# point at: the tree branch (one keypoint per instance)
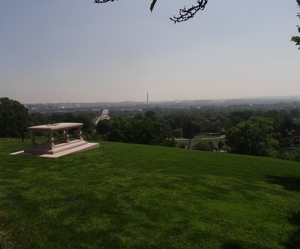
(186, 14)
(103, 1)
(296, 39)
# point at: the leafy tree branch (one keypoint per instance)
(184, 14)
(296, 39)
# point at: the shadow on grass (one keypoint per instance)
(294, 239)
(288, 182)
(245, 245)
(291, 183)
(232, 245)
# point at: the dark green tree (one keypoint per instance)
(196, 128)
(235, 117)
(177, 133)
(14, 118)
(145, 131)
(117, 128)
(295, 113)
(252, 137)
(102, 127)
(286, 125)
(88, 125)
(220, 145)
(39, 118)
(137, 130)
(151, 115)
(187, 129)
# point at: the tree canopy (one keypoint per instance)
(187, 129)
(252, 137)
(14, 118)
(139, 130)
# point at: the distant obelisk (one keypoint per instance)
(147, 99)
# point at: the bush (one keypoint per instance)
(211, 145)
(92, 136)
(202, 146)
(292, 153)
(169, 142)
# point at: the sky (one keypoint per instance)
(78, 51)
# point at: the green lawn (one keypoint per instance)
(137, 196)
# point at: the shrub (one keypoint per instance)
(202, 146)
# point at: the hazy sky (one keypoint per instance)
(79, 51)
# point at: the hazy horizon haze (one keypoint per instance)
(78, 51)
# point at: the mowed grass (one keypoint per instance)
(138, 196)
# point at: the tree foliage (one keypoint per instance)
(266, 130)
(14, 118)
(140, 130)
(252, 137)
(296, 39)
(187, 128)
(41, 119)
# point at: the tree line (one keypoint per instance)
(273, 132)
(15, 118)
(141, 129)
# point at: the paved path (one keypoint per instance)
(103, 116)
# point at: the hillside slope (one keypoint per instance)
(138, 196)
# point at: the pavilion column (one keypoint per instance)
(65, 136)
(50, 138)
(79, 136)
(32, 138)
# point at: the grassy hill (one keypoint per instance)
(137, 196)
